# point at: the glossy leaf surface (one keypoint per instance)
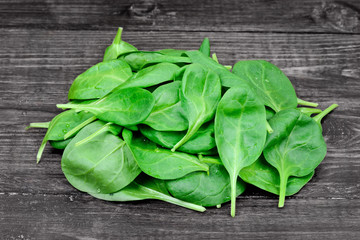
(200, 94)
(99, 80)
(161, 163)
(270, 84)
(240, 132)
(103, 164)
(167, 114)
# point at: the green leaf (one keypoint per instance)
(270, 84)
(227, 78)
(161, 163)
(205, 189)
(202, 142)
(141, 59)
(103, 164)
(167, 114)
(151, 76)
(99, 80)
(60, 125)
(60, 144)
(240, 132)
(118, 47)
(145, 187)
(264, 176)
(123, 107)
(205, 47)
(200, 94)
(295, 148)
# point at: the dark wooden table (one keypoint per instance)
(44, 45)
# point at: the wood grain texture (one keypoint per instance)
(46, 44)
(189, 15)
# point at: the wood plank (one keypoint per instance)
(323, 68)
(83, 217)
(187, 15)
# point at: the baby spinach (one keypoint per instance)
(118, 47)
(205, 47)
(228, 79)
(167, 114)
(151, 76)
(271, 85)
(104, 164)
(173, 52)
(205, 189)
(60, 125)
(99, 80)
(60, 144)
(200, 94)
(240, 132)
(262, 175)
(161, 163)
(145, 187)
(295, 148)
(249, 123)
(124, 107)
(202, 142)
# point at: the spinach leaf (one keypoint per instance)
(200, 94)
(240, 132)
(145, 187)
(167, 114)
(227, 78)
(151, 76)
(205, 47)
(295, 148)
(60, 125)
(103, 164)
(201, 142)
(60, 144)
(124, 107)
(99, 80)
(161, 163)
(264, 176)
(271, 85)
(205, 189)
(139, 60)
(269, 113)
(173, 52)
(118, 47)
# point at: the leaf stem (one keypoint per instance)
(78, 127)
(96, 133)
(321, 115)
(38, 125)
(268, 127)
(187, 136)
(179, 202)
(283, 184)
(233, 180)
(306, 103)
(309, 111)
(42, 147)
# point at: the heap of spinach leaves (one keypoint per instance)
(177, 126)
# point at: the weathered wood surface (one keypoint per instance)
(46, 44)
